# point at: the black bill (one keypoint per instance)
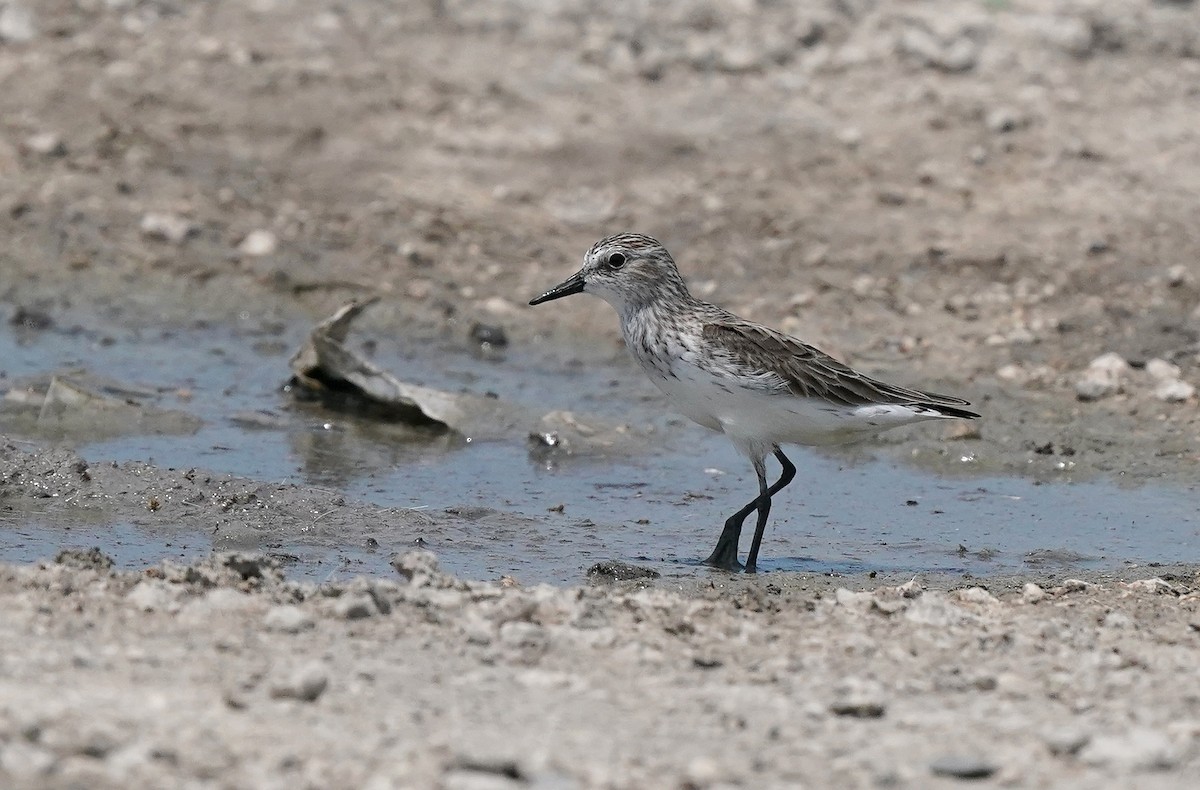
(572, 285)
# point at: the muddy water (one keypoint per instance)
(491, 508)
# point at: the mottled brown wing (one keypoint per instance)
(811, 373)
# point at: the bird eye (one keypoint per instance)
(616, 260)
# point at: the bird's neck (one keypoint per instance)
(669, 297)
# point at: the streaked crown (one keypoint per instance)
(630, 269)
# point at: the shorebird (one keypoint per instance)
(759, 387)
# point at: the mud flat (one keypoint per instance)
(994, 199)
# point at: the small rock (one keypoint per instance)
(1117, 620)
(170, 228)
(489, 335)
(617, 571)
(16, 23)
(498, 305)
(1178, 275)
(962, 767)
(1066, 742)
(956, 55)
(1162, 370)
(415, 255)
(1012, 372)
(31, 318)
(1072, 586)
(151, 596)
(484, 772)
(1002, 119)
(477, 780)
(354, 607)
(1155, 585)
(221, 601)
(853, 600)
(976, 595)
(1174, 391)
(1138, 749)
(524, 635)
(45, 144)
(1094, 385)
(23, 762)
(702, 772)
(850, 136)
(859, 698)
(93, 559)
(1032, 594)
(258, 243)
(419, 566)
(1073, 34)
(305, 684)
(288, 619)
(1102, 378)
(889, 606)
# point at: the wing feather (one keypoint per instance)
(811, 373)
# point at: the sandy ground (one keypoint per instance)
(223, 675)
(981, 198)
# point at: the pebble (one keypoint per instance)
(1177, 275)
(1117, 620)
(151, 596)
(1174, 391)
(529, 639)
(1066, 742)
(1073, 586)
(962, 767)
(419, 567)
(936, 611)
(1162, 370)
(498, 305)
(1032, 594)
(1073, 35)
(16, 23)
(1155, 585)
(702, 772)
(170, 228)
(1002, 119)
(957, 55)
(305, 684)
(1137, 749)
(220, 601)
(354, 607)
(489, 335)
(976, 595)
(617, 571)
(288, 619)
(851, 599)
(850, 136)
(21, 761)
(45, 144)
(258, 243)
(1102, 378)
(860, 699)
(478, 780)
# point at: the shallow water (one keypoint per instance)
(662, 508)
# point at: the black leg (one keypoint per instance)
(789, 472)
(724, 556)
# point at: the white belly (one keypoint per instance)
(721, 405)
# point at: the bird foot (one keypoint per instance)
(724, 558)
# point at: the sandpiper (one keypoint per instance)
(759, 387)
